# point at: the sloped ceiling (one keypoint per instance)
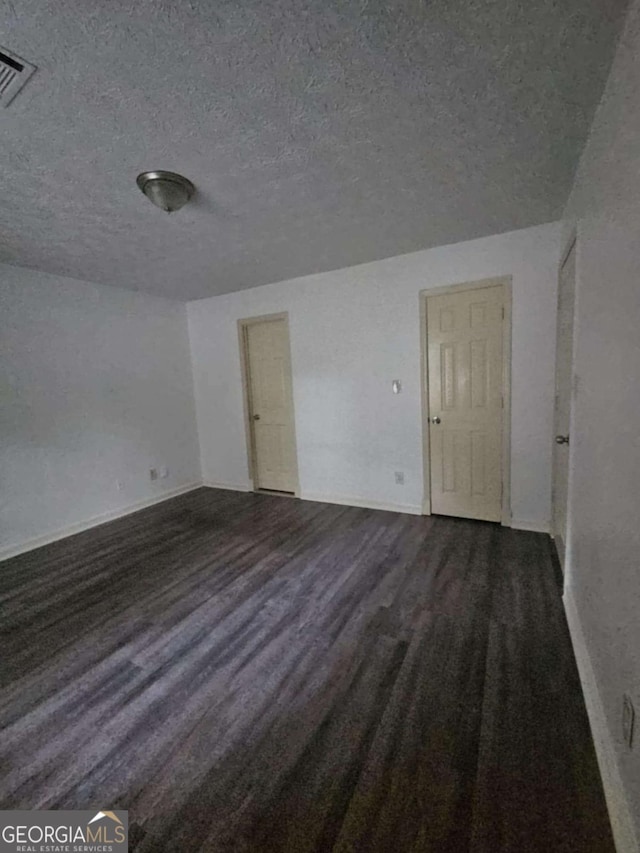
(319, 134)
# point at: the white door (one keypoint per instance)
(271, 405)
(465, 351)
(564, 372)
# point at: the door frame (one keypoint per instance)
(499, 281)
(243, 325)
(570, 245)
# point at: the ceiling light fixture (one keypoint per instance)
(166, 190)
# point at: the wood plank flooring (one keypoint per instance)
(252, 673)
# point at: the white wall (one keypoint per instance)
(352, 332)
(603, 571)
(96, 387)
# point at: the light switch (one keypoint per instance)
(396, 385)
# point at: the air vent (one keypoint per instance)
(14, 73)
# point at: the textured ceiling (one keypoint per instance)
(319, 134)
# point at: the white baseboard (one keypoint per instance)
(232, 487)
(620, 814)
(533, 526)
(345, 500)
(94, 521)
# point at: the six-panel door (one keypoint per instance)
(465, 364)
(271, 405)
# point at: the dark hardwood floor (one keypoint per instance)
(253, 673)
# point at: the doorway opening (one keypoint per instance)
(563, 398)
(268, 402)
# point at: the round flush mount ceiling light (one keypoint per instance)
(166, 190)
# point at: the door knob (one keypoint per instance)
(435, 420)
(256, 417)
(562, 439)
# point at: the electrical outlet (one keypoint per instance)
(399, 475)
(164, 472)
(628, 720)
(153, 473)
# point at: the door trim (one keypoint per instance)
(569, 244)
(505, 283)
(243, 325)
